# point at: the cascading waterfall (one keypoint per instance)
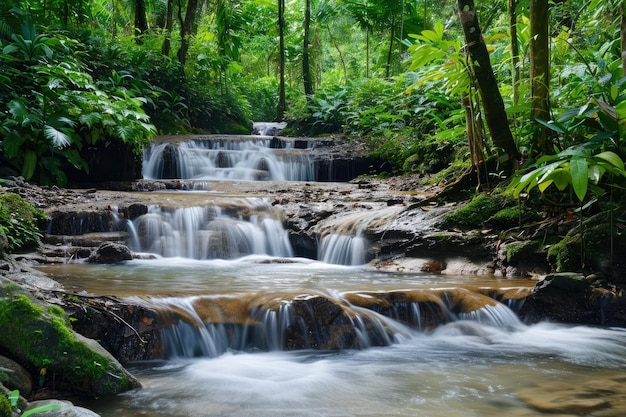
(343, 249)
(245, 160)
(211, 325)
(207, 233)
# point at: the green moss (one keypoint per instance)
(513, 216)
(20, 222)
(477, 211)
(5, 406)
(47, 342)
(565, 255)
(517, 250)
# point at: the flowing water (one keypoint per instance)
(473, 366)
(480, 360)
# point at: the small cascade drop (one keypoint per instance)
(248, 159)
(343, 250)
(208, 233)
(213, 325)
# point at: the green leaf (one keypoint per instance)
(58, 138)
(14, 397)
(41, 409)
(561, 178)
(579, 171)
(612, 158)
(30, 163)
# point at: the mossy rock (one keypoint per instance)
(5, 406)
(478, 211)
(40, 335)
(513, 216)
(516, 251)
(565, 255)
(597, 241)
(20, 222)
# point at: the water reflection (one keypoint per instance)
(183, 276)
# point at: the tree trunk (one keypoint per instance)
(623, 35)
(515, 73)
(493, 105)
(389, 53)
(474, 134)
(307, 78)
(282, 102)
(540, 73)
(169, 23)
(339, 51)
(141, 24)
(186, 29)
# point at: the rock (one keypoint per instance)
(19, 378)
(38, 334)
(67, 409)
(601, 397)
(566, 281)
(570, 298)
(110, 252)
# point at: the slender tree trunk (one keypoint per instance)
(367, 53)
(282, 101)
(393, 26)
(169, 23)
(186, 30)
(493, 105)
(474, 136)
(540, 72)
(339, 51)
(307, 77)
(623, 35)
(114, 19)
(515, 73)
(141, 24)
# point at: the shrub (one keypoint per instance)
(20, 222)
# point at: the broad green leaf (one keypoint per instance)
(553, 125)
(41, 409)
(58, 138)
(14, 397)
(544, 185)
(612, 158)
(30, 163)
(595, 173)
(561, 178)
(579, 169)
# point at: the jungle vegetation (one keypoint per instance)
(498, 87)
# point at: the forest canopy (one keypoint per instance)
(424, 84)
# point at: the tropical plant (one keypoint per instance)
(14, 397)
(55, 109)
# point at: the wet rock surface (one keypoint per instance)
(574, 298)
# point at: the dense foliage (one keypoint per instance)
(399, 77)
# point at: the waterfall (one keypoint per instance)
(343, 250)
(212, 325)
(251, 159)
(207, 233)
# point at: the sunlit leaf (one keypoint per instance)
(612, 158)
(579, 169)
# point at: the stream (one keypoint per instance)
(479, 362)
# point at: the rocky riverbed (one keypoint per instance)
(401, 219)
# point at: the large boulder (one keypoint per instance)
(110, 252)
(573, 298)
(17, 377)
(39, 335)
